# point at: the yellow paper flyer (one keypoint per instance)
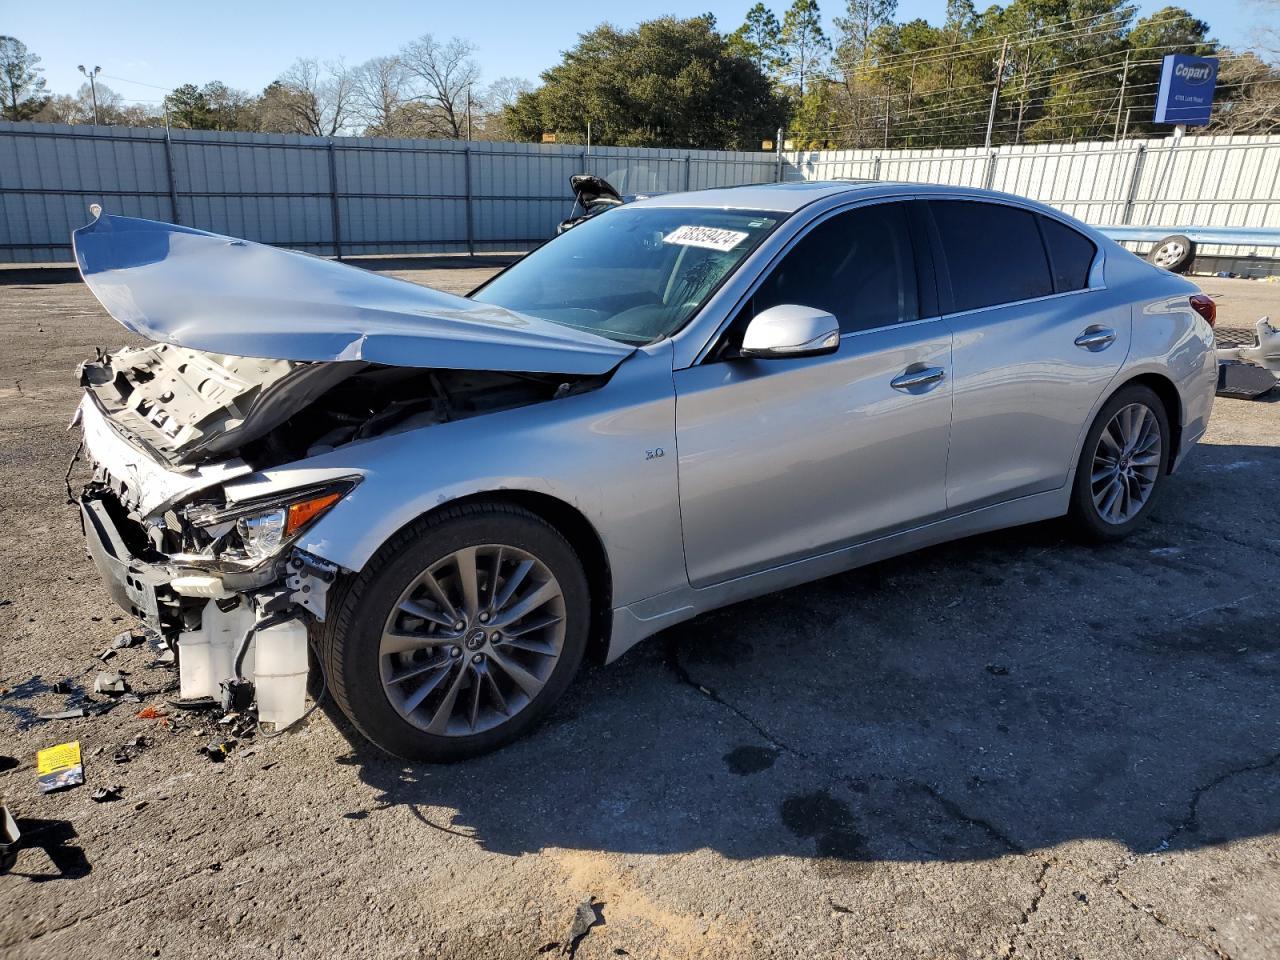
(59, 767)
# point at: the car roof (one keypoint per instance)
(790, 197)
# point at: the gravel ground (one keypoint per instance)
(1006, 745)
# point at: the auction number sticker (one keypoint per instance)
(713, 238)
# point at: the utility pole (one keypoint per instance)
(911, 86)
(886, 116)
(588, 138)
(93, 88)
(995, 91)
(1124, 82)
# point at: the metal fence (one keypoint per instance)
(344, 196)
(1206, 181)
(358, 195)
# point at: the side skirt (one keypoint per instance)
(635, 622)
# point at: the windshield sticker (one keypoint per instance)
(712, 238)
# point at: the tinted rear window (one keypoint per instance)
(994, 253)
(1072, 253)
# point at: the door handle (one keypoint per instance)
(1096, 338)
(914, 379)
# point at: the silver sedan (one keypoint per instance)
(691, 400)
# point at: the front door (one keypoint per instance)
(784, 459)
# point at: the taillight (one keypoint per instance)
(1205, 307)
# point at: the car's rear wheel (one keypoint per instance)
(460, 634)
(1123, 465)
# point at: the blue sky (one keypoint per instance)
(248, 44)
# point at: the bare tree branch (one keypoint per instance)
(444, 75)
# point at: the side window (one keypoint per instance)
(1072, 254)
(858, 266)
(994, 253)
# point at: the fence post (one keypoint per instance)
(173, 186)
(333, 203)
(471, 228)
(1131, 194)
(991, 171)
(687, 165)
(875, 168)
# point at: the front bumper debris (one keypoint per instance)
(238, 637)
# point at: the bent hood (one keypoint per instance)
(227, 296)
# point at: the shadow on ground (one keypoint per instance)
(1002, 693)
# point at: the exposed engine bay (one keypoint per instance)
(189, 406)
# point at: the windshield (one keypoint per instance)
(634, 274)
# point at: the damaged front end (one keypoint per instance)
(220, 582)
(263, 357)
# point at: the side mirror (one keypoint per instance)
(789, 330)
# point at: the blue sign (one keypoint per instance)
(1186, 89)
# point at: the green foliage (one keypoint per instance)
(805, 46)
(23, 87)
(667, 83)
(759, 40)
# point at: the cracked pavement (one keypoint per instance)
(1007, 746)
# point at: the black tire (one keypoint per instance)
(1173, 253)
(360, 604)
(1084, 516)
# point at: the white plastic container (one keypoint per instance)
(280, 672)
(207, 656)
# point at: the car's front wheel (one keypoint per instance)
(459, 634)
(1123, 465)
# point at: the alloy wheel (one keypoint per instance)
(472, 640)
(1169, 254)
(1126, 464)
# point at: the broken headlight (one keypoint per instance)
(263, 534)
(259, 529)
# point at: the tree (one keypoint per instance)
(23, 86)
(668, 82)
(310, 98)
(862, 19)
(805, 46)
(188, 107)
(759, 39)
(445, 75)
(492, 106)
(380, 89)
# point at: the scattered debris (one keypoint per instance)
(217, 750)
(106, 794)
(128, 751)
(7, 763)
(106, 654)
(130, 638)
(997, 670)
(152, 713)
(71, 714)
(110, 683)
(10, 838)
(59, 767)
(584, 918)
(62, 686)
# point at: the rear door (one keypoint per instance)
(784, 459)
(1035, 346)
